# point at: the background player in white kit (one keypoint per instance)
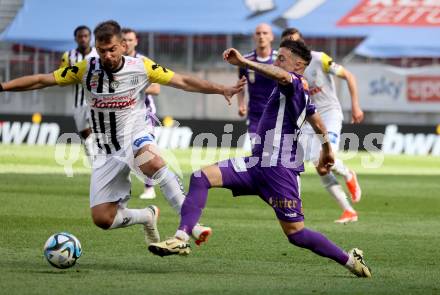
(115, 88)
(320, 76)
(81, 111)
(131, 40)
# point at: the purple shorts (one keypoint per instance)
(278, 186)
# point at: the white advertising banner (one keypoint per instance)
(392, 89)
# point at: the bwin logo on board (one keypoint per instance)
(29, 133)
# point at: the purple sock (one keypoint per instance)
(194, 202)
(319, 244)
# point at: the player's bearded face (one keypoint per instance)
(111, 52)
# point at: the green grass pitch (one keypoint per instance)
(398, 229)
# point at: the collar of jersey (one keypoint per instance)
(77, 50)
(263, 59)
(115, 71)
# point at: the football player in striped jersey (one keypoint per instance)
(81, 111)
(115, 85)
(131, 40)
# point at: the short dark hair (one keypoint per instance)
(80, 28)
(128, 30)
(105, 31)
(291, 31)
(298, 48)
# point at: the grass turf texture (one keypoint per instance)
(398, 230)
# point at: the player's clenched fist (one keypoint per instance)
(234, 57)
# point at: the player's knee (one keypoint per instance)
(321, 172)
(329, 179)
(155, 165)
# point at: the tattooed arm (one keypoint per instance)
(234, 57)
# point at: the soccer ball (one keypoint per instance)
(62, 250)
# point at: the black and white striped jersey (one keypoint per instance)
(116, 99)
(70, 58)
(149, 99)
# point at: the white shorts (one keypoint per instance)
(81, 115)
(110, 181)
(310, 141)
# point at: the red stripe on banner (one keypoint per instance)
(414, 13)
(423, 88)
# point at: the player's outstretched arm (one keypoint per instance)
(29, 83)
(327, 159)
(194, 84)
(234, 57)
(357, 115)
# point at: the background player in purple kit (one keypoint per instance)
(272, 172)
(259, 86)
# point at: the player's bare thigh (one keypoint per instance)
(149, 160)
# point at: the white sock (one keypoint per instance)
(171, 187)
(181, 235)
(126, 217)
(335, 189)
(341, 169)
(350, 262)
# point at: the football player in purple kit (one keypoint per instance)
(320, 75)
(259, 86)
(273, 170)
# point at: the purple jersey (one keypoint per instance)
(259, 88)
(272, 172)
(280, 124)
